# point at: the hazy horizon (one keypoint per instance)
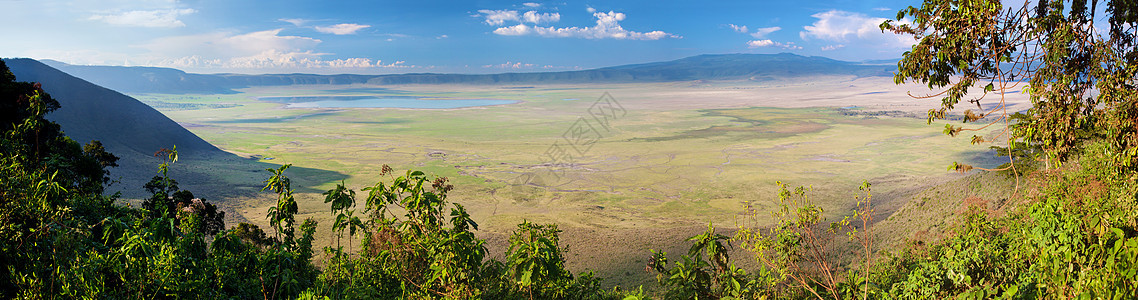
(867, 62)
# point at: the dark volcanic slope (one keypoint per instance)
(703, 67)
(133, 131)
(90, 112)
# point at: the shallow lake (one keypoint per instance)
(384, 102)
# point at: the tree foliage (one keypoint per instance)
(1075, 239)
(62, 238)
(416, 244)
(706, 271)
(1076, 60)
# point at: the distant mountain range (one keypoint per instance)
(702, 67)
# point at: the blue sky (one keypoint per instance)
(379, 37)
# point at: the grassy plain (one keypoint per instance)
(679, 156)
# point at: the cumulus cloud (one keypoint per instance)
(187, 47)
(162, 18)
(341, 29)
(538, 18)
(520, 29)
(532, 4)
(277, 59)
(223, 44)
(607, 27)
(590, 9)
(258, 50)
(760, 43)
(758, 32)
(843, 26)
(397, 64)
(839, 25)
(769, 43)
(498, 17)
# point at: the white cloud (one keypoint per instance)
(763, 32)
(188, 61)
(498, 17)
(341, 29)
(520, 29)
(832, 47)
(442, 37)
(769, 43)
(276, 59)
(225, 45)
(190, 46)
(760, 43)
(337, 29)
(839, 25)
(396, 64)
(295, 22)
(509, 65)
(163, 18)
(538, 18)
(843, 26)
(531, 4)
(608, 26)
(738, 28)
(881, 8)
(590, 9)
(260, 50)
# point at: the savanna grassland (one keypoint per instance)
(840, 182)
(677, 156)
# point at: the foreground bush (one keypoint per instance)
(430, 251)
(1076, 238)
